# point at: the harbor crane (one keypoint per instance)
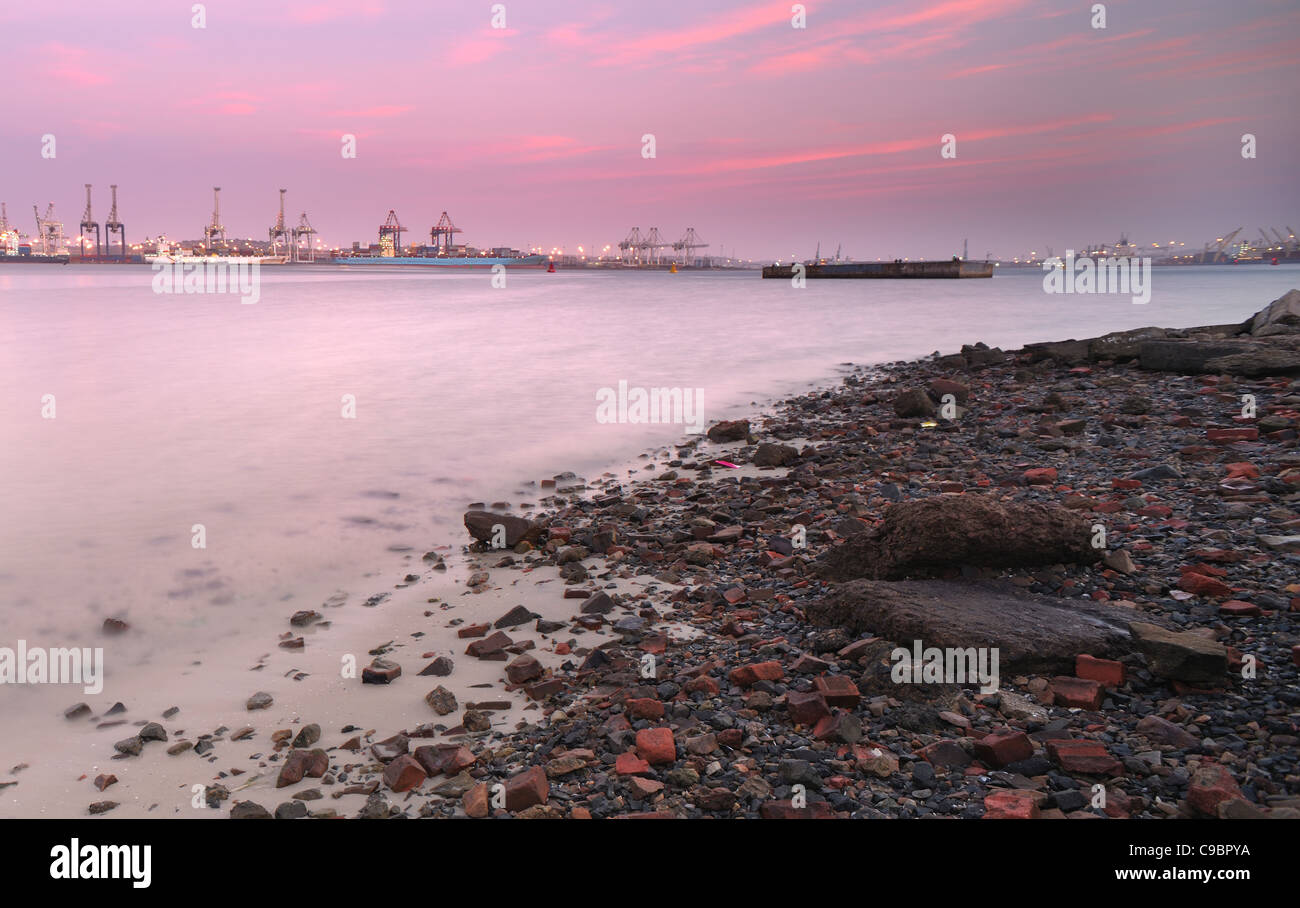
(279, 231)
(441, 234)
(1215, 252)
(653, 244)
(390, 236)
(50, 230)
(301, 234)
(88, 223)
(8, 234)
(632, 244)
(215, 229)
(114, 225)
(691, 241)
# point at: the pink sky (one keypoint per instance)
(769, 139)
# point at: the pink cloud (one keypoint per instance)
(68, 64)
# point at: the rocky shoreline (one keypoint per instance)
(1115, 519)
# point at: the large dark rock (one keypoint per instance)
(1181, 655)
(734, 430)
(1123, 345)
(1186, 357)
(770, 454)
(1068, 352)
(481, 526)
(1277, 360)
(1247, 357)
(1282, 316)
(1031, 633)
(914, 402)
(925, 537)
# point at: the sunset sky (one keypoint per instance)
(769, 138)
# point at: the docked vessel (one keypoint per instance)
(444, 261)
(176, 258)
(955, 268)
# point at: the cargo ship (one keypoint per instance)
(182, 259)
(444, 261)
(954, 268)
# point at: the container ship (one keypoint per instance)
(956, 268)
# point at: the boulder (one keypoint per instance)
(1257, 363)
(1181, 655)
(481, 525)
(1068, 352)
(927, 536)
(938, 387)
(1123, 345)
(1032, 633)
(914, 402)
(774, 455)
(1282, 316)
(734, 430)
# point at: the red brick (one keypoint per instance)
(1230, 435)
(1041, 476)
(703, 684)
(476, 801)
(747, 675)
(527, 788)
(1204, 586)
(656, 745)
(645, 708)
(784, 810)
(1011, 804)
(1126, 483)
(1211, 784)
(523, 669)
(1235, 608)
(1103, 671)
(1078, 693)
(644, 788)
(488, 645)
(1242, 470)
(838, 690)
(806, 708)
(1087, 757)
(999, 748)
(404, 773)
(629, 764)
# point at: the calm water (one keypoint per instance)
(182, 410)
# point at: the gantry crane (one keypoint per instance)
(50, 230)
(88, 223)
(279, 231)
(441, 234)
(653, 244)
(215, 229)
(690, 241)
(112, 226)
(304, 231)
(632, 244)
(390, 236)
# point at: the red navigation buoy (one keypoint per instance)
(551, 268)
